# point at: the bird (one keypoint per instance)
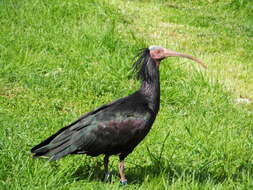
(118, 127)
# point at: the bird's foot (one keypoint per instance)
(123, 182)
(107, 176)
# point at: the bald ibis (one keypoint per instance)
(115, 128)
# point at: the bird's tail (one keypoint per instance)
(56, 146)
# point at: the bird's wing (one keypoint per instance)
(78, 122)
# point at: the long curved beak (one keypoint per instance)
(170, 53)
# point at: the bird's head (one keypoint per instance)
(158, 53)
(154, 55)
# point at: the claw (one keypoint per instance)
(123, 182)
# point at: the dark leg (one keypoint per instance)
(123, 180)
(107, 173)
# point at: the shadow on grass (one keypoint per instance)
(170, 172)
(92, 172)
(137, 174)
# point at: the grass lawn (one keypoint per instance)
(60, 59)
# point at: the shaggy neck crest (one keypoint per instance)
(145, 66)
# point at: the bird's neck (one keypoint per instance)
(151, 88)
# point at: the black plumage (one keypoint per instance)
(115, 128)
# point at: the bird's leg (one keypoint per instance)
(107, 173)
(123, 180)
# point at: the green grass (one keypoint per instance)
(60, 59)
